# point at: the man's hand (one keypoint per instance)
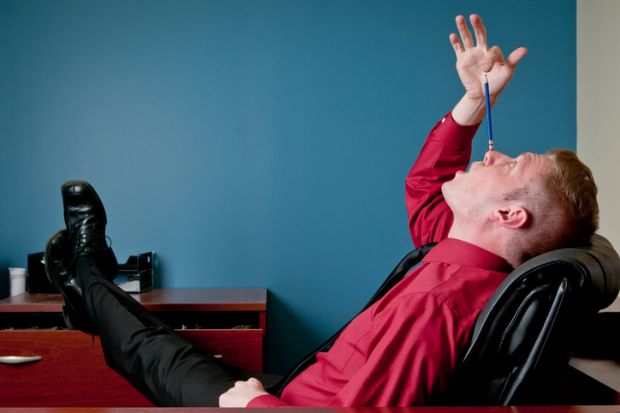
(242, 392)
(473, 61)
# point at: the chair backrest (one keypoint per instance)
(522, 339)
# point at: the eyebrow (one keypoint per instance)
(529, 157)
(522, 163)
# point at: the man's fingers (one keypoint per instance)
(461, 25)
(516, 56)
(255, 381)
(494, 55)
(241, 393)
(479, 30)
(456, 44)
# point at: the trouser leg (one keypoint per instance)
(166, 368)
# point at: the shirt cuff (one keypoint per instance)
(451, 134)
(266, 400)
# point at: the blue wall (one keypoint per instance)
(254, 143)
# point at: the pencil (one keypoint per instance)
(488, 105)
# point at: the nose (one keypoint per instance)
(493, 157)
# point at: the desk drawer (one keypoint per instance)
(241, 348)
(73, 372)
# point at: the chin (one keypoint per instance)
(447, 190)
(445, 187)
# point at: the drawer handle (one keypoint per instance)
(19, 359)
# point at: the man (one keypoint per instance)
(403, 349)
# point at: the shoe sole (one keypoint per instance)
(88, 188)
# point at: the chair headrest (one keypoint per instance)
(598, 265)
(593, 270)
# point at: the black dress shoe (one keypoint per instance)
(85, 219)
(84, 237)
(58, 263)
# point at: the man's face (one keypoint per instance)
(491, 179)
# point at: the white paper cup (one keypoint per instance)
(18, 280)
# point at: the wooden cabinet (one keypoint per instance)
(229, 323)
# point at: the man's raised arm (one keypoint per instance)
(448, 146)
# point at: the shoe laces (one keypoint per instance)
(86, 234)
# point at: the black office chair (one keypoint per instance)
(522, 340)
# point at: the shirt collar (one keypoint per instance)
(454, 251)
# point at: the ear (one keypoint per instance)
(513, 217)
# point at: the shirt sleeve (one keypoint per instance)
(447, 150)
(413, 359)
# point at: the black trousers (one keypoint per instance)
(163, 366)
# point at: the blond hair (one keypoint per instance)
(563, 205)
(573, 184)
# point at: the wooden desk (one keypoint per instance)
(229, 323)
(606, 372)
(420, 409)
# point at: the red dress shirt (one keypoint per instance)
(403, 349)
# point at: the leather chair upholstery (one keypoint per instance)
(522, 340)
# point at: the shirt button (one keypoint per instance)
(443, 120)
